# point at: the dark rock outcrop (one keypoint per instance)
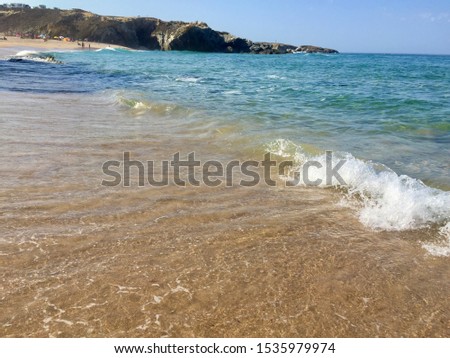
(270, 48)
(198, 36)
(135, 32)
(314, 49)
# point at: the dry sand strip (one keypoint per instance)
(15, 44)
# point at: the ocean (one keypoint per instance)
(363, 256)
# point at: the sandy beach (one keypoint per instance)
(14, 44)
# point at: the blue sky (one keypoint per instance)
(395, 26)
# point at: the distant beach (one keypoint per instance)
(15, 44)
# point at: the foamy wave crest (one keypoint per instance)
(275, 77)
(140, 106)
(287, 149)
(33, 56)
(188, 79)
(384, 199)
(106, 49)
(391, 201)
(27, 53)
(118, 50)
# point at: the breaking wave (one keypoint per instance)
(34, 56)
(384, 199)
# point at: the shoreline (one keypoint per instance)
(13, 45)
(90, 260)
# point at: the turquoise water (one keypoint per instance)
(391, 109)
(387, 115)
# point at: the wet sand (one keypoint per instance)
(224, 269)
(82, 260)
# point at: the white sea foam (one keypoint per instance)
(441, 248)
(33, 56)
(384, 199)
(390, 201)
(108, 48)
(287, 149)
(26, 53)
(140, 106)
(232, 92)
(188, 79)
(275, 77)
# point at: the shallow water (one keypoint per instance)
(82, 259)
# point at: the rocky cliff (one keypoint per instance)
(135, 32)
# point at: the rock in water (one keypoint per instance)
(314, 49)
